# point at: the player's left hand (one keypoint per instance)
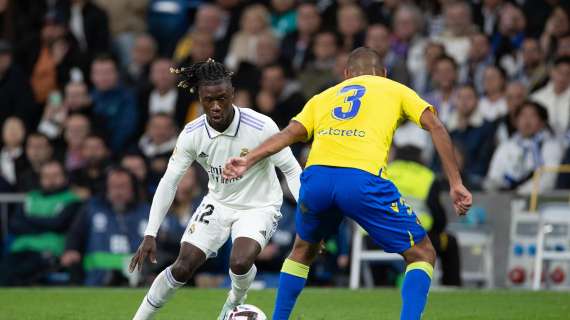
(462, 199)
(235, 168)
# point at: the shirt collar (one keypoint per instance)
(231, 131)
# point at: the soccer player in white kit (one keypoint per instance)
(247, 208)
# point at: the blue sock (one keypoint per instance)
(291, 282)
(415, 290)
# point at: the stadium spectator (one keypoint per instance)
(89, 179)
(378, 38)
(89, 24)
(486, 15)
(138, 166)
(444, 75)
(458, 28)
(505, 126)
(50, 56)
(58, 109)
(254, 22)
(510, 33)
(557, 25)
(39, 229)
(38, 152)
(167, 22)
(530, 67)
(126, 19)
(421, 189)
(12, 157)
(479, 58)
(407, 42)
(472, 135)
(423, 81)
(493, 104)
(16, 98)
(194, 47)
(283, 17)
(142, 54)
(210, 19)
(164, 97)
(296, 45)
(248, 75)
(77, 129)
(160, 136)
(114, 106)
(107, 231)
(532, 146)
(563, 48)
(351, 23)
(280, 98)
(555, 96)
(319, 71)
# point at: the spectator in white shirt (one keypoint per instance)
(493, 104)
(530, 148)
(555, 96)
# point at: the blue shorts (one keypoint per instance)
(330, 193)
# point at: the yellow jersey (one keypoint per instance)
(353, 122)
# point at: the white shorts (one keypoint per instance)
(213, 223)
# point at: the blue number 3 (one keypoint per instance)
(354, 101)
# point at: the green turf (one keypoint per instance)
(314, 304)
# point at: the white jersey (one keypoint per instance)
(257, 188)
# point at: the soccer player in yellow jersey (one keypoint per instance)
(352, 125)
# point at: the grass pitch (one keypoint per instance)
(317, 304)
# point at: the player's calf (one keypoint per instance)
(420, 260)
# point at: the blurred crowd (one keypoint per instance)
(90, 112)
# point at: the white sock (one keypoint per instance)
(163, 287)
(241, 283)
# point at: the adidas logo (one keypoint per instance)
(202, 155)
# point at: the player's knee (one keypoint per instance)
(304, 252)
(182, 270)
(426, 252)
(240, 265)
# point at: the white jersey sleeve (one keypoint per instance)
(182, 157)
(286, 162)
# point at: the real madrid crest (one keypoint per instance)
(244, 152)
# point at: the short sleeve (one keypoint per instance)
(307, 117)
(413, 106)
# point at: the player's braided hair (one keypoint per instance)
(201, 73)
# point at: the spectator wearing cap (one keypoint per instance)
(555, 96)
(531, 147)
(296, 45)
(16, 98)
(114, 106)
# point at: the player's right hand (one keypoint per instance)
(462, 199)
(235, 167)
(147, 248)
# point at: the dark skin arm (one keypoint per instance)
(294, 132)
(147, 248)
(461, 197)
